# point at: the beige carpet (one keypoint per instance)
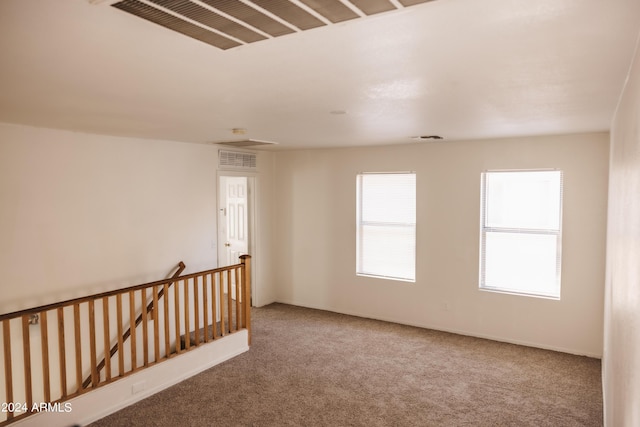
(315, 368)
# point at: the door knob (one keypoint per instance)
(227, 244)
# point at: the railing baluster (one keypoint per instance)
(26, 354)
(240, 297)
(167, 343)
(176, 301)
(222, 327)
(92, 343)
(214, 308)
(44, 339)
(8, 380)
(196, 310)
(205, 309)
(156, 326)
(132, 329)
(238, 326)
(145, 327)
(120, 339)
(62, 352)
(76, 334)
(187, 326)
(107, 339)
(229, 301)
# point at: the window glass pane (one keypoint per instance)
(386, 216)
(388, 251)
(389, 198)
(527, 199)
(520, 262)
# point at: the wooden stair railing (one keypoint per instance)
(90, 380)
(47, 361)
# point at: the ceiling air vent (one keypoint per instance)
(227, 24)
(246, 143)
(236, 160)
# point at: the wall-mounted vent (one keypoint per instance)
(230, 23)
(236, 160)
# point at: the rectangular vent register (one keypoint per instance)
(226, 24)
(236, 160)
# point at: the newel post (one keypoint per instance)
(245, 260)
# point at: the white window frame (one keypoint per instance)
(361, 223)
(485, 229)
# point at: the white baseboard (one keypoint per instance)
(453, 331)
(110, 398)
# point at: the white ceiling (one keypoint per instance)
(463, 69)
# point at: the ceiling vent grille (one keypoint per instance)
(174, 23)
(237, 160)
(230, 23)
(246, 143)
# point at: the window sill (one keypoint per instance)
(395, 279)
(522, 294)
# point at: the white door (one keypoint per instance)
(233, 221)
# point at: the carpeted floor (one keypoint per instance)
(315, 368)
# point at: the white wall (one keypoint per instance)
(83, 213)
(80, 213)
(621, 359)
(316, 238)
(263, 264)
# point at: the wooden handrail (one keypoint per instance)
(66, 303)
(150, 306)
(114, 349)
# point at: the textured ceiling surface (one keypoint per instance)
(462, 69)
